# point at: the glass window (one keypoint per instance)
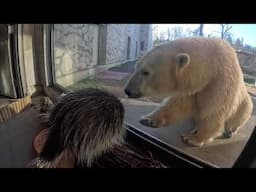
(105, 56)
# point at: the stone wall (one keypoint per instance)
(116, 43)
(75, 50)
(78, 48)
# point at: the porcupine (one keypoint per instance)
(83, 125)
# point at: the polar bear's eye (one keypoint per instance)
(145, 73)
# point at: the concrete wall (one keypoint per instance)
(116, 43)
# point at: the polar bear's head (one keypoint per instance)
(160, 72)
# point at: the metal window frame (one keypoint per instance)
(50, 79)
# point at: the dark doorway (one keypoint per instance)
(136, 50)
(128, 47)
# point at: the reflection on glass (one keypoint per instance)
(104, 56)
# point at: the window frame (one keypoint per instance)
(54, 90)
(52, 87)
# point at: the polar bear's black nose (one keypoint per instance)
(132, 94)
(127, 92)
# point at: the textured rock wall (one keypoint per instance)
(75, 47)
(117, 42)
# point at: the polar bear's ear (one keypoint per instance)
(182, 60)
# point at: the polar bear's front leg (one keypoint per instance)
(206, 131)
(170, 111)
(154, 119)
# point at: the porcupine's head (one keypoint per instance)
(86, 123)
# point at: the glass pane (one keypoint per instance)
(105, 56)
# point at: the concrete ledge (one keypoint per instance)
(9, 111)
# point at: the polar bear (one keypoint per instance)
(201, 78)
